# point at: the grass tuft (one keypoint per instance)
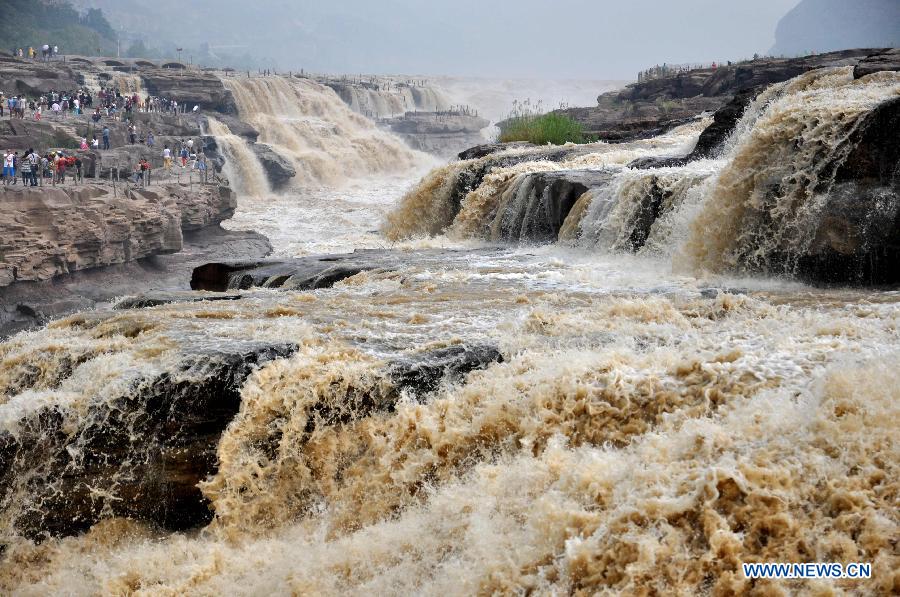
(526, 123)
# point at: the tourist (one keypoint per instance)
(105, 137)
(132, 135)
(60, 169)
(184, 155)
(34, 160)
(25, 168)
(150, 139)
(167, 158)
(84, 144)
(9, 167)
(95, 143)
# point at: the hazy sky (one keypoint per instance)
(531, 38)
(598, 39)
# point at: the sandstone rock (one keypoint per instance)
(48, 231)
(27, 305)
(655, 106)
(51, 231)
(32, 78)
(190, 88)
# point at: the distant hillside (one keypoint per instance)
(828, 25)
(25, 23)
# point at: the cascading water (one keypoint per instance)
(308, 123)
(768, 201)
(390, 98)
(242, 167)
(630, 431)
(759, 206)
(128, 84)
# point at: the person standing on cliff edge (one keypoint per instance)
(105, 137)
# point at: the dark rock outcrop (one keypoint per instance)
(883, 61)
(239, 127)
(158, 298)
(484, 150)
(278, 169)
(140, 455)
(426, 372)
(541, 203)
(305, 273)
(858, 238)
(657, 105)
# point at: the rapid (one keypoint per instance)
(668, 398)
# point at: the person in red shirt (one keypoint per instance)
(61, 170)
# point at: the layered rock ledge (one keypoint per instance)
(49, 231)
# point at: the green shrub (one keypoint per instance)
(556, 129)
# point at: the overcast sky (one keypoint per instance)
(548, 39)
(530, 38)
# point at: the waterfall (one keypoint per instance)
(765, 206)
(325, 140)
(128, 84)
(765, 202)
(242, 168)
(391, 99)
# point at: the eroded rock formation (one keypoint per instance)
(48, 231)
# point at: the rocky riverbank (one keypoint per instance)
(652, 107)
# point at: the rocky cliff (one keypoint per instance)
(45, 232)
(652, 107)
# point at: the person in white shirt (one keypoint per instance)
(167, 158)
(9, 168)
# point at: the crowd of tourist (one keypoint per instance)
(47, 52)
(111, 106)
(36, 169)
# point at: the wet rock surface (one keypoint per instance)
(278, 169)
(542, 202)
(858, 239)
(425, 373)
(27, 305)
(161, 297)
(140, 455)
(305, 273)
